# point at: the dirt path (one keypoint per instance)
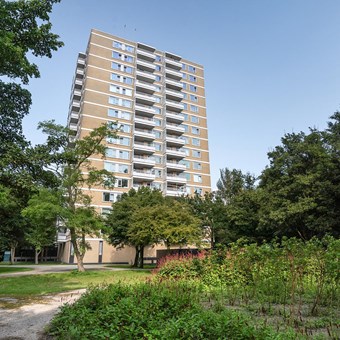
(28, 322)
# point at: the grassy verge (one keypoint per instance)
(36, 285)
(5, 270)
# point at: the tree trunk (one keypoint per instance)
(139, 262)
(12, 254)
(80, 263)
(36, 257)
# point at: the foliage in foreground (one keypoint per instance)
(153, 311)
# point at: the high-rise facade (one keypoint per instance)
(157, 100)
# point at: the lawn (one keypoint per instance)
(5, 270)
(33, 286)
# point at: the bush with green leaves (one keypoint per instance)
(170, 310)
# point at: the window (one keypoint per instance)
(192, 69)
(184, 75)
(156, 186)
(124, 154)
(186, 163)
(116, 55)
(158, 78)
(158, 159)
(198, 191)
(128, 59)
(184, 95)
(186, 151)
(158, 88)
(157, 110)
(122, 183)
(122, 168)
(127, 69)
(185, 106)
(186, 127)
(110, 153)
(187, 176)
(129, 48)
(197, 166)
(120, 140)
(185, 116)
(193, 98)
(120, 102)
(106, 211)
(158, 134)
(196, 153)
(158, 68)
(186, 139)
(184, 85)
(117, 44)
(192, 78)
(119, 114)
(110, 166)
(193, 108)
(158, 146)
(115, 66)
(121, 127)
(195, 141)
(158, 173)
(195, 119)
(158, 58)
(157, 99)
(121, 79)
(195, 131)
(126, 103)
(184, 66)
(120, 90)
(110, 197)
(193, 88)
(158, 122)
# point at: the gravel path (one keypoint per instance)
(28, 322)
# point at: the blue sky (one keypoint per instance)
(271, 66)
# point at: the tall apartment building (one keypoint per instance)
(157, 100)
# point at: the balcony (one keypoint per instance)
(173, 84)
(172, 74)
(175, 153)
(175, 190)
(145, 148)
(144, 161)
(173, 165)
(174, 140)
(174, 128)
(74, 118)
(145, 66)
(145, 99)
(76, 95)
(174, 95)
(144, 122)
(174, 117)
(146, 87)
(146, 55)
(176, 178)
(173, 105)
(144, 110)
(78, 84)
(176, 65)
(144, 174)
(144, 134)
(61, 237)
(73, 127)
(145, 76)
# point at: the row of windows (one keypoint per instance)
(194, 141)
(123, 46)
(119, 168)
(189, 68)
(121, 79)
(113, 153)
(123, 57)
(193, 119)
(120, 102)
(120, 90)
(194, 130)
(121, 67)
(192, 97)
(119, 114)
(190, 77)
(191, 88)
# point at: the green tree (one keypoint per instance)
(41, 212)
(232, 182)
(301, 185)
(211, 211)
(144, 218)
(70, 164)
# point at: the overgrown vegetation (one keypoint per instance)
(286, 290)
(154, 311)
